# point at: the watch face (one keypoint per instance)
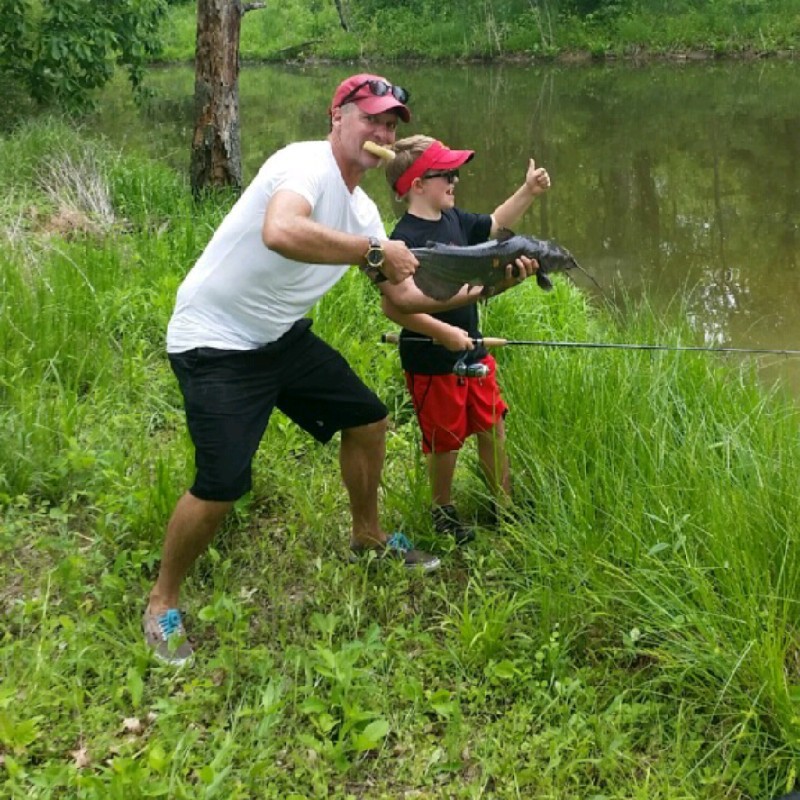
(375, 256)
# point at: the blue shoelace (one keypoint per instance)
(400, 542)
(170, 622)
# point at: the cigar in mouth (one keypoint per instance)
(382, 152)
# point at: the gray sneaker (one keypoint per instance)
(398, 546)
(166, 636)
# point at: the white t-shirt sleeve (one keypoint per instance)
(304, 178)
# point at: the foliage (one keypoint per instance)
(298, 30)
(61, 50)
(637, 638)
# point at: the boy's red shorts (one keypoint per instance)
(450, 409)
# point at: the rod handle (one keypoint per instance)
(487, 341)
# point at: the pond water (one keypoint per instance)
(678, 180)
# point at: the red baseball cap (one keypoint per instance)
(437, 156)
(357, 89)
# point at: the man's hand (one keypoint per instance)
(399, 262)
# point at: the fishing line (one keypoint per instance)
(491, 341)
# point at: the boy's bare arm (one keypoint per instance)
(508, 213)
(450, 336)
(409, 299)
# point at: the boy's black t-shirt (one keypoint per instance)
(459, 228)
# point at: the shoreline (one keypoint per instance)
(637, 57)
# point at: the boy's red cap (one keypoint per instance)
(437, 156)
(368, 102)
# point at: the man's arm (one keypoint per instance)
(289, 230)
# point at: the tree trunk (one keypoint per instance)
(216, 146)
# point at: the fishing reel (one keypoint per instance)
(464, 370)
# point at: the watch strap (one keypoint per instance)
(373, 273)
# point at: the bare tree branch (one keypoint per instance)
(293, 50)
(252, 7)
(340, 10)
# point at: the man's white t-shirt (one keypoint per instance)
(240, 295)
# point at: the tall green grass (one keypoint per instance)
(636, 638)
(678, 481)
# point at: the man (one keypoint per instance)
(240, 344)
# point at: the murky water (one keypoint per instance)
(679, 180)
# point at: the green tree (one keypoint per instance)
(58, 51)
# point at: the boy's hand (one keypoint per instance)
(455, 339)
(516, 273)
(537, 180)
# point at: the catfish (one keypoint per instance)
(444, 269)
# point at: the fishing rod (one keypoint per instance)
(493, 341)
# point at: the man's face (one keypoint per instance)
(355, 127)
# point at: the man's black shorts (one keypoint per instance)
(230, 394)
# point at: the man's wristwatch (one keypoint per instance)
(374, 261)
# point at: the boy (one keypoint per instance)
(424, 173)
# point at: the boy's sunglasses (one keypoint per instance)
(379, 89)
(449, 175)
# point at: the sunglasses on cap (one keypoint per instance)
(379, 89)
(449, 175)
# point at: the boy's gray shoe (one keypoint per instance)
(166, 636)
(447, 521)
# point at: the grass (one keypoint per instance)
(636, 640)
